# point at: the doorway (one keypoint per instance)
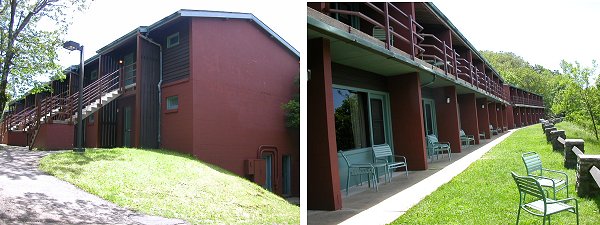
(429, 117)
(127, 126)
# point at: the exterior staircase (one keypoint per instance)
(62, 108)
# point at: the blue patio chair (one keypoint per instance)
(466, 139)
(383, 153)
(355, 169)
(436, 148)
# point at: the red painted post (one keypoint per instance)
(407, 119)
(323, 179)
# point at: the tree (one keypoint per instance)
(580, 98)
(27, 45)
(292, 108)
(520, 73)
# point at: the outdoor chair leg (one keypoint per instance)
(347, 180)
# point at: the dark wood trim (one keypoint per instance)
(175, 82)
(138, 97)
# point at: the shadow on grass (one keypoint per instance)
(65, 162)
(191, 157)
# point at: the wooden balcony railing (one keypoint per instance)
(526, 101)
(396, 28)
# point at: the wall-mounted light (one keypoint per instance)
(308, 74)
(483, 106)
(497, 109)
(447, 100)
(120, 61)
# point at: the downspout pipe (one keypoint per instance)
(160, 71)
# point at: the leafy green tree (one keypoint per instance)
(292, 108)
(580, 97)
(520, 73)
(30, 34)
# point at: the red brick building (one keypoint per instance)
(392, 73)
(206, 83)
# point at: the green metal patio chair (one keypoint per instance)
(533, 165)
(355, 169)
(466, 139)
(384, 153)
(493, 131)
(436, 148)
(539, 204)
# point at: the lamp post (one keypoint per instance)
(71, 45)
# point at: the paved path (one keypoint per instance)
(30, 196)
(388, 210)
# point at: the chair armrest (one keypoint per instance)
(399, 156)
(559, 172)
(471, 136)
(543, 177)
(564, 200)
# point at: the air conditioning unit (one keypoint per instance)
(380, 34)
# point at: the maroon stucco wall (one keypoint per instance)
(447, 114)
(483, 117)
(407, 119)
(323, 179)
(17, 138)
(468, 115)
(493, 119)
(510, 117)
(241, 77)
(176, 129)
(54, 137)
(91, 131)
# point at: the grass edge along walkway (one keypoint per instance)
(389, 209)
(172, 185)
(485, 193)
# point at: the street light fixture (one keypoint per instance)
(71, 45)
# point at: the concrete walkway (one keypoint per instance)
(30, 196)
(365, 206)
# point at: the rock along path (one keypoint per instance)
(30, 196)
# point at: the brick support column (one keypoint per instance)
(493, 114)
(468, 115)
(483, 117)
(510, 117)
(448, 127)
(407, 119)
(323, 180)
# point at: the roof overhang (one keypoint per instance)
(200, 14)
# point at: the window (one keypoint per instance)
(172, 102)
(361, 119)
(94, 75)
(350, 117)
(173, 40)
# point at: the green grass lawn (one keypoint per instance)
(486, 193)
(172, 185)
(592, 146)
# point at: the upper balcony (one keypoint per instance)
(417, 32)
(525, 98)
